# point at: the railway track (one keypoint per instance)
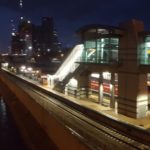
(117, 132)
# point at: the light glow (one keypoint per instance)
(21, 3)
(13, 34)
(142, 97)
(29, 69)
(107, 75)
(147, 44)
(28, 21)
(5, 64)
(23, 67)
(37, 71)
(92, 51)
(30, 47)
(62, 55)
(73, 82)
(95, 75)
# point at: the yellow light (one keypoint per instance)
(148, 51)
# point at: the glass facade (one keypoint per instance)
(145, 51)
(101, 50)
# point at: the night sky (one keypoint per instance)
(69, 15)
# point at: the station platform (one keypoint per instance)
(141, 122)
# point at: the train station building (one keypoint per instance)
(111, 67)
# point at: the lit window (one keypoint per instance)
(95, 75)
(30, 47)
(48, 50)
(28, 21)
(13, 34)
(62, 55)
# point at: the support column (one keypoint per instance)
(133, 96)
(83, 84)
(100, 98)
(112, 91)
(132, 83)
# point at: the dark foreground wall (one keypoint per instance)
(10, 138)
(33, 134)
(39, 129)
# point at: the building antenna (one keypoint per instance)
(21, 4)
(21, 7)
(13, 30)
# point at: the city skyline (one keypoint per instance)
(71, 15)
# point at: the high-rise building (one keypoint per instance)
(25, 32)
(16, 44)
(45, 38)
(21, 42)
(37, 40)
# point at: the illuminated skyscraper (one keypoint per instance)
(21, 42)
(45, 38)
(38, 40)
(25, 33)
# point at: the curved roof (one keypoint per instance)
(96, 26)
